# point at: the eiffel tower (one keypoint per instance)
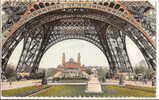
(104, 23)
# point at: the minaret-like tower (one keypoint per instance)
(63, 58)
(79, 59)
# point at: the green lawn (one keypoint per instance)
(113, 91)
(145, 89)
(62, 90)
(20, 91)
(121, 91)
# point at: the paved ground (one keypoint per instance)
(18, 84)
(136, 83)
(139, 83)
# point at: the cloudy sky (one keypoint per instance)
(90, 54)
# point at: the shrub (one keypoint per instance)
(10, 71)
(36, 75)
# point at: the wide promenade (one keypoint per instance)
(26, 83)
(19, 84)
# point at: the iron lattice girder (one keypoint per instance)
(9, 47)
(104, 43)
(40, 10)
(75, 28)
(115, 50)
(54, 32)
(116, 41)
(122, 25)
(54, 35)
(34, 44)
(145, 47)
(24, 4)
(30, 49)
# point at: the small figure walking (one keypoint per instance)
(121, 80)
(153, 81)
(10, 82)
(145, 80)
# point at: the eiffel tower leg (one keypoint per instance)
(147, 49)
(129, 65)
(101, 30)
(34, 45)
(117, 46)
(9, 47)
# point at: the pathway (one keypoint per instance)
(19, 84)
(135, 83)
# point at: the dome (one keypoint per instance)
(71, 60)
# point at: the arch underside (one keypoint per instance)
(104, 30)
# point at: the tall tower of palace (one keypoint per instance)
(79, 59)
(63, 59)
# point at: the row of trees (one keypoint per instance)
(11, 74)
(147, 73)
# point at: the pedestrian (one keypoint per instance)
(153, 81)
(145, 81)
(10, 82)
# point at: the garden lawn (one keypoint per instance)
(146, 89)
(108, 91)
(19, 91)
(126, 92)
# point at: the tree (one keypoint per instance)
(88, 71)
(37, 75)
(102, 73)
(147, 73)
(139, 69)
(10, 72)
